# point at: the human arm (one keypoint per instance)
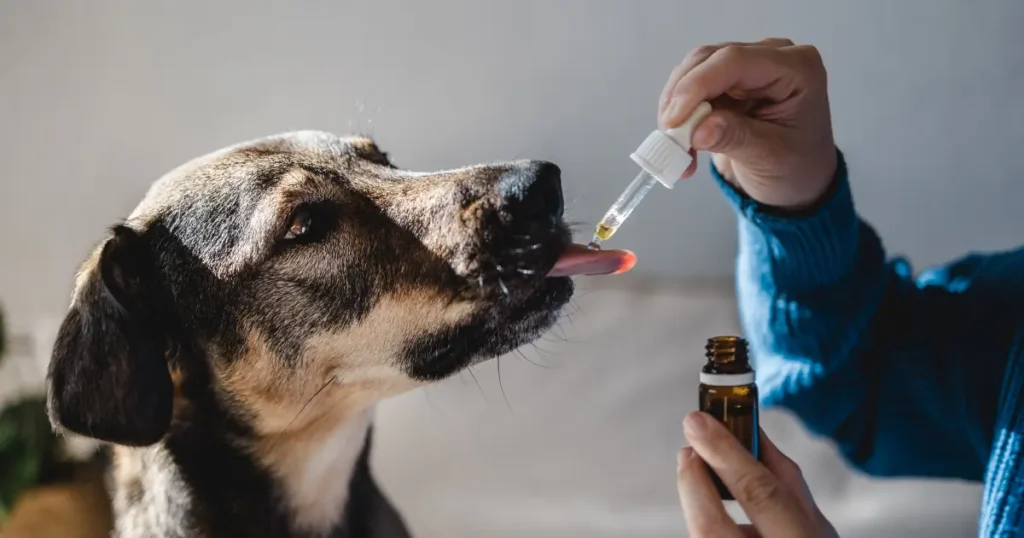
(902, 372)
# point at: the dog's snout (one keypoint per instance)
(534, 189)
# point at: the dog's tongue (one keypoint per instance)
(581, 260)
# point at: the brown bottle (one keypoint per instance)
(728, 393)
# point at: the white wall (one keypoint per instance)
(98, 98)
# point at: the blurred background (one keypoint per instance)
(99, 98)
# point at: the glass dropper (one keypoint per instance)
(620, 210)
(663, 157)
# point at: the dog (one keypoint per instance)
(229, 339)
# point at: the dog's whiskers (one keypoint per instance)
(502, 387)
(561, 332)
(477, 381)
(568, 317)
(540, 350)
(527, 359)
(528, 248)
(504, 288)
(330, 381)
(554, 338)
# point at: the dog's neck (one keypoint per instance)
(203, 483)
(314, 468)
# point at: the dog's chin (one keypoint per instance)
(533, 317)
(499, 328)
(516, 302)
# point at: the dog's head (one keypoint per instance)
(303, 265)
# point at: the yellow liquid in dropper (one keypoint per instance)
(603, 231)
(622, 207)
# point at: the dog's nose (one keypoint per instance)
(533, 190)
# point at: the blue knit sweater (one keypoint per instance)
(910, 376)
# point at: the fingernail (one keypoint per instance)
(707, 134)
(695, 424)
(684, 458)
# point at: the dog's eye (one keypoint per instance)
(301, 223)
(309, 223)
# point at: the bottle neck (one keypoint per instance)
(727, 355)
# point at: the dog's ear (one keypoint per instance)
(108, 377)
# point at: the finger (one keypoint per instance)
(693, 59)
(702, 507)
(735, 134)
(766, 501)
(779, 463)
(733, 100)
(749, 531)
(693, 165)
(786, 469)
(771, 72)
(699, 54)
(776, 42)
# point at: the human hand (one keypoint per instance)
(771, 131)
(774, 496)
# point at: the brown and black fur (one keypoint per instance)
(230, 338)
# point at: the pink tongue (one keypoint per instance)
(580, 260)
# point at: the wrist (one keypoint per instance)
(800, 251)
(832, 195)
(819, 185)
(791, 195)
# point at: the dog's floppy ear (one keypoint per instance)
(108, 377)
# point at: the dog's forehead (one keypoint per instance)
(223, 201)
(250, 167)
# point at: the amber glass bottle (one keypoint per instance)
(728, 393)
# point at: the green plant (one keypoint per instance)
(29, 450)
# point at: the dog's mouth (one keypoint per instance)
(525, 246)
(537, 253)
(521, 280)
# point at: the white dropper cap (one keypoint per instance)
(666, 154)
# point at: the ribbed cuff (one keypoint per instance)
(803, 251)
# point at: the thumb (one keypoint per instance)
(727, 132)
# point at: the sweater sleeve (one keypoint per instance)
(903, 373)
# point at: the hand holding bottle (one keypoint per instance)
(771, 130)
(774, 495)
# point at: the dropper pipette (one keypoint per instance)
(663, 157)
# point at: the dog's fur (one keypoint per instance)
(230, 338)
